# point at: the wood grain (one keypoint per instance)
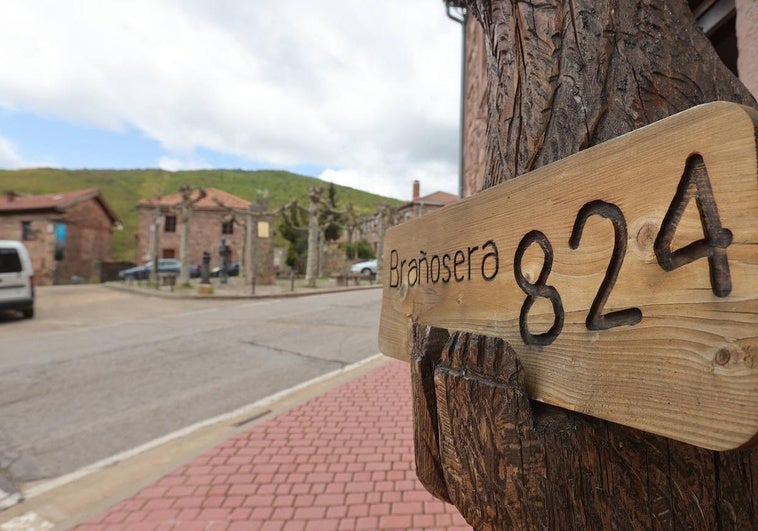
(686, 370)
(509, 463)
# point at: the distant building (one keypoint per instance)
(208, 225)
(420, 205)
(370, 226)
(68, 234)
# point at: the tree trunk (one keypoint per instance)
(564, 76)
(155, 226)
(248, 248)
(184, 246)
(311, 264)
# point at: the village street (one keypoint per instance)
(98, 372)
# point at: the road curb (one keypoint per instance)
(9, 493)
(194, 296)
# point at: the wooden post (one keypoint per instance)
(565, 75)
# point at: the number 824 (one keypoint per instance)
(693, 184)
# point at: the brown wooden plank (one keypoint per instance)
(687, 369)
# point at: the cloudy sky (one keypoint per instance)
(363, 93)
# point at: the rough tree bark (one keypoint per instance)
(564, 75)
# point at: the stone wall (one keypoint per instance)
(747, 42)
(205, 235)
(88, 240)
(475, 108)
(264, 254)
(40, 247)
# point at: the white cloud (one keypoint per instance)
(10, 159)
(371, 88)
(188, 162)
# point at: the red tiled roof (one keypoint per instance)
(208, 202)
(59, 202)
(437, 198)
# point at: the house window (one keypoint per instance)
(168, 253)
(60, 241)
(169, 225)
(26, 231)
(227, 227)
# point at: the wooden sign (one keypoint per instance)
(624, 277)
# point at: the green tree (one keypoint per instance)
(294, 228)
(361, 249)
(330, 216)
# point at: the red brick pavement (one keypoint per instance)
(343, 460)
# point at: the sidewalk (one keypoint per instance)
(343, 460)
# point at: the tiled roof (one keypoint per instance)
(208, 202)
(10, 202)
(437, 198)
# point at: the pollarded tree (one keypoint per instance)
(189, 198)
(331, 217)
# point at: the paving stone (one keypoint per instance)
(343, 460)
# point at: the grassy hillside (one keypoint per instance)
(123, 188)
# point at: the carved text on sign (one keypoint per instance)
(443, 267)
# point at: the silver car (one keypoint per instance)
(364, 268)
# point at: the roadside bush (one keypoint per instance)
(360, 250)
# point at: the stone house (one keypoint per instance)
(209, 223)
(420, 205)
(68, 234)
(370, 226)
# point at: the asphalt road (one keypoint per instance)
(98, 372)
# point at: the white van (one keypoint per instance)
(16, 278)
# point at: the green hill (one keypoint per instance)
(123, 188)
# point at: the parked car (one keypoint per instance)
(364, 268)
(142, 272)
(232, 270)
(16, 278)
(195, 270)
